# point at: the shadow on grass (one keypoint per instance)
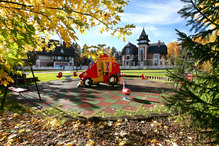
(13, 106)
(144, 101)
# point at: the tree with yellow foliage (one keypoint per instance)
(173, 51)
(23, 24)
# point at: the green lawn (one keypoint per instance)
(43, 77)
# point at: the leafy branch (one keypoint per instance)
(200, 12)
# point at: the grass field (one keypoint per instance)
(44, 77)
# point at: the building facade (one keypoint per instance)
(145, 53)
(59, 57)
(129, 55)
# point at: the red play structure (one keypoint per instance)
(67, 77)
(144, 78)
(104, 70)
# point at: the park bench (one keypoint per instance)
(19, 89)
(21, 80)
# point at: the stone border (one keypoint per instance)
(147, 118)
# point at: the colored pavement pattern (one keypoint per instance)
(86, 101)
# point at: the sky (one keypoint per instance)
(159, 18)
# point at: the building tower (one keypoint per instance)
(143, 44)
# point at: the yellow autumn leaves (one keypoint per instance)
(5, 78)
(93, 56)
(26, 25)
(173, 51)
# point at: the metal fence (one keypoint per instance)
(147, 67)
(58, 68)
(86, 67)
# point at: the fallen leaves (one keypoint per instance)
(21, 131)
(90, 143)
(29, 129)
(16, 115)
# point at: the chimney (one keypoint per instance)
(61, 41)
(159, 43)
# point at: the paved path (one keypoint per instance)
(87, 101)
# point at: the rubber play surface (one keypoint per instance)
(86, 101)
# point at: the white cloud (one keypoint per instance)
(164, 12)
(148, 29)
(158, 17)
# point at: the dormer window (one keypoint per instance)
(62, 51)
(127, 50)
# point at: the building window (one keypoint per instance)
(62, 51)
(59, 58)
(156, 56)
(142, 41)
(44, 57)
(156, 62)
(142, 53)
(127, 57)
(127, 51)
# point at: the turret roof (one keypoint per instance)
(143, 36)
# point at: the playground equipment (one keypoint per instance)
(143, 77)
(67, 77)
(75, 74)
(189, 77)
(104, 70)
(125, 91)
(59, 75)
